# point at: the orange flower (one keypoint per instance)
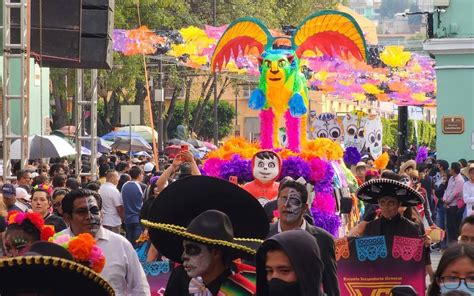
(81, 246)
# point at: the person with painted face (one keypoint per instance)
(289, 264)
(225, 223)
(266, 168)
(82, 210)
(455, 271)
(292, 205)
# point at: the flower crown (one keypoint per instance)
(43, 187)
(83, 249)
(16, 217)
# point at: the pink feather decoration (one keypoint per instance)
(293, 132)
(318, 169)
(325, 202)
(212, 167)
(266, 122)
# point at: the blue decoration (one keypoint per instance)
(297, 105)
(257, 100)
(371, 248)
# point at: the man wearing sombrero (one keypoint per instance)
(205, 223)
(390, 195)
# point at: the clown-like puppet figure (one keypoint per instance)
(266, 168)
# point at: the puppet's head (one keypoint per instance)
(373, 136)
(266, 166)
(354, 123)
(277, 66)
(327, 126)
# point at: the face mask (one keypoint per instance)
(277, 287)
(461, 288)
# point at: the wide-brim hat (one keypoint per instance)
(465, 171)
(50, 274)
(407, 164)
(360, 164)
(371, 191)
(169, 217)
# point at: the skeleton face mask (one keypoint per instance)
(197, 259)
(354, 124)
(290, 205)
(373, 136)
(326, 126)
(266, 169)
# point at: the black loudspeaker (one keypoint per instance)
(403, 129)
(74, 33)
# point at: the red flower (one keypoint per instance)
(47, 232)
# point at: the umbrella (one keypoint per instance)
(196, 143)
(178, 142)
(112, 136)
(103, 146)
(172, 150)
(142, 153)
(142, 130)
(86, 151)
(43, 147)
(210, 145)
(137, 144)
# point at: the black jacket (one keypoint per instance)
(304, 255)
(325, 243)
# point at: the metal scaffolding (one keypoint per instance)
(13, 52)
(80, 122)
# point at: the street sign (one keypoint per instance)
(453, 125)
(130, 114)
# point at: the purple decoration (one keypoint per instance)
(351, 156)
(422, 154)
(239, 167)
(295, 167)
(327, 221)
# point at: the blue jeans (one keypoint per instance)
(441, 222)
(133, 231)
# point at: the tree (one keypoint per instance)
(226, 115)
(389, 8)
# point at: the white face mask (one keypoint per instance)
(197, 259)
(266, 170)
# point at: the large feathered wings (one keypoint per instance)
(333, 33)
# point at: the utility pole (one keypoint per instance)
(216, 124)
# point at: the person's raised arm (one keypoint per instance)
(161, 182)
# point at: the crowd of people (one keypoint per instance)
(220, 238)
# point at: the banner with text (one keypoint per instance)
(374, 265)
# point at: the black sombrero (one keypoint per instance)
(48, 274)
(182, 212)
(374, 189)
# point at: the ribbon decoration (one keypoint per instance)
(342, 248)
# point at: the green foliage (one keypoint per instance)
(425, 136)
(226, 115)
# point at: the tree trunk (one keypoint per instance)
(200, 109)
(224, 86)
(199, 105)
(189, 83)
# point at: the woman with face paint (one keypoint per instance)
(455, 271)
(23, 230)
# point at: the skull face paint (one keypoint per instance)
(266, 169)
(290, 205)
(94, 214)
(354, 123)
(373, 136)
(327, 126)
(86, 216)
(197, 259)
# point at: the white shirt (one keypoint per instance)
(303, 225)
(122, 268)
(111, 199)
(468, 196)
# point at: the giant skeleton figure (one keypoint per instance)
(282, 90)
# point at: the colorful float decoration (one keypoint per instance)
(282, 89)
